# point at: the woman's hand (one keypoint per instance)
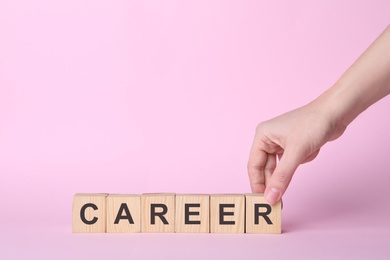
(295, 138)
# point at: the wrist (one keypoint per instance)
(336, 110)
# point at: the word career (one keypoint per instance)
(181, 213)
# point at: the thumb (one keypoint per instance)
(281, 177)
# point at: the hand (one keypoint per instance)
(296, 138)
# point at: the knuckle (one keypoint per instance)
(254, 170)
(248, 166)
(260, 127)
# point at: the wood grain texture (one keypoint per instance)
(230, 208)
(128, 208)
(193, 209)
(93, 207)
(150, 200)
(257, 216)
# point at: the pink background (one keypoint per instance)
(164, 96)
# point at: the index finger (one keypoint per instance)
(256, 166)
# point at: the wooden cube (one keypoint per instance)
(89, 213)
(158, 212)
(192, 213)
(262, 217)
(123, 213)
(227, 213)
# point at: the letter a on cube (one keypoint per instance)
(123, 213)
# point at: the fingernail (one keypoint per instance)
(273, 196)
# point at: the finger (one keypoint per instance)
(269, 168)
(256, 164)
(282, 175)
